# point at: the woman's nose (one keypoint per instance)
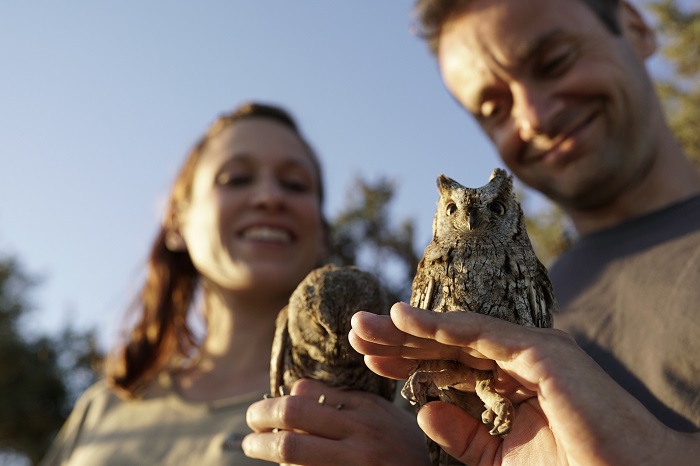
(268, 193)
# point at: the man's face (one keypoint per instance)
(567, 103)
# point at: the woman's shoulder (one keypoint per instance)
(97, 399)
(98, 389)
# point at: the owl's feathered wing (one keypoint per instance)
(311, 335)
(280, 354)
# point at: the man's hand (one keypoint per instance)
(568, 410)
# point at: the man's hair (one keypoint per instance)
(432, 15)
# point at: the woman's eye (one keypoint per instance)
(297, 186)
(233, 179)
(296, 180)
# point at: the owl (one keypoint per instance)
(311, 336)
(480, 260)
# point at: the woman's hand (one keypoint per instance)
(321, 425)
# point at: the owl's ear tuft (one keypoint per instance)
(445, 183)
(502, 178)
(499, 173)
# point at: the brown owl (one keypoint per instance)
(480, 260)
(311, 337)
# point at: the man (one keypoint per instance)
(561, 89)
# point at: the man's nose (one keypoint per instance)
(534, 111)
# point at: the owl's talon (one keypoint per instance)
(488, 416)
(500, 415)
(418, 387)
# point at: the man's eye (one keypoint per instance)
(491, 110)
(488, 109)
(557, 63)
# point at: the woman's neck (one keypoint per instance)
(235, 354)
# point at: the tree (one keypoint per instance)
(40, 376)
(549, 229)
(362, 234)
(679, 30)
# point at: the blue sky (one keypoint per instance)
(102, 100)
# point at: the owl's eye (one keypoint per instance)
(451, 208)
(497, 208)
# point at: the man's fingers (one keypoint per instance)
(393, 368)
(378, 329)
(476, 334)
(458, 433)
(377, 335)
(419, 334)
(476, 340)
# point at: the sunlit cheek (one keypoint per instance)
(507, 142)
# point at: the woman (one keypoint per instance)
(243, 227)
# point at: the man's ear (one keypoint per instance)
(637, 30)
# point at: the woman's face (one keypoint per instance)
(254, 218)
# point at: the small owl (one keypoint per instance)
(480, 260)
(311, 336)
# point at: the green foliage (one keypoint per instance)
(679, 31)
(549, 233)
(39, 376)
(363, 235)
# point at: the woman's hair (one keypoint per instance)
(432, 15)
(161, 334)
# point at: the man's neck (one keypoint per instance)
(667, 184)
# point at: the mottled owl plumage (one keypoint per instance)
(311, 336)
(481, 260)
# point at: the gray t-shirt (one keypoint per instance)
(630, 295)
(159, 428)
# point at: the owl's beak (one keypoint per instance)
(472, 219)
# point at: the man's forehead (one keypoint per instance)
(506, 32)
(464, 74)
(471, 55)
(493, 40)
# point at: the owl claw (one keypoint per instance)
(418, 387)
(500, 416)
(499, 410)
